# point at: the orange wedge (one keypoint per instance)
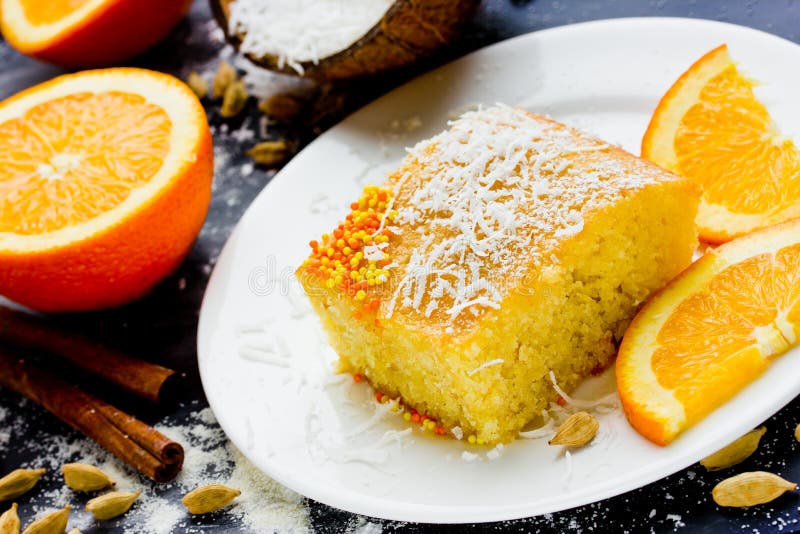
(104, 184)
(710, 128)
(711, 331)
(88, 33)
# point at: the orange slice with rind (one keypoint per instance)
(711, 128)
(104, 185)
(711, 331)
(88, 33)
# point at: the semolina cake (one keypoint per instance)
(503, 249)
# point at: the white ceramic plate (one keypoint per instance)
(266, 367)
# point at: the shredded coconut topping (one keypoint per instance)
(609, 401)
(302, 30)
(484, 202)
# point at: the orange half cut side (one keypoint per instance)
(104, 184)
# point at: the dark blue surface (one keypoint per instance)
(162, 326)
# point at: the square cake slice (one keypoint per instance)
(505, 248)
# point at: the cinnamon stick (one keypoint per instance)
(138, 377)
(142, 447)
(167, 451)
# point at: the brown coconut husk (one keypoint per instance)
(408, 31)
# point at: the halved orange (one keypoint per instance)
(88, 33)
(711, 331)
(711, 128)
(105, 180)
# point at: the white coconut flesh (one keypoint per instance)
(297, 31)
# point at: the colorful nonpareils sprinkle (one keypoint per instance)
(353, 258)
(425, 422)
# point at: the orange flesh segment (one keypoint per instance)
(728, 143)
(67, 160)
(720, 339)
(40, 12)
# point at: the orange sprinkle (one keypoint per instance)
(561, 401)
(338, 259)
(357, 377)
(425, 422)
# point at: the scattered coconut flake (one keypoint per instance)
(495, 453)
(469, 456)
(373, 454)
(538, 433)
(247, 168)
(263, 355)
(546, 430)
(244, 133)
(457, 432)
(483, 366)
(380, 413)
(612, 399)
(677, 518)
(568, 473)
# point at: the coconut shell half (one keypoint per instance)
(408, 31)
